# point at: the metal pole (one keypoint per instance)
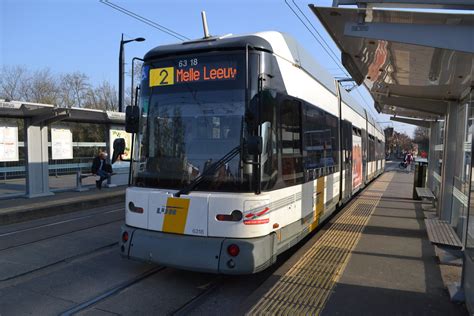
(121, 76)
(339, 140)
(133, 82)
(204, 24)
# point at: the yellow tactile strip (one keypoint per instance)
(306, 287)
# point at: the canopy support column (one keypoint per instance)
(432, 156)
(36, 155)
(449, 160)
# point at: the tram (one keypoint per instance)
(243, 145)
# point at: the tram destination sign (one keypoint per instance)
(193, 70)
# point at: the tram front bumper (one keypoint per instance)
(204, 254)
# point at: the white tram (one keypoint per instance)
(240, 152)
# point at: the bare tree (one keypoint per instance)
(67, 90)
(73, 89)
(399, 142)
(421, 136)
(43, 88)
(103, 97)
(13, 82)
(137, 77)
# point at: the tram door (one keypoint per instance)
(346, 128)
(364, 156)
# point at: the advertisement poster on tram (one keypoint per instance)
(356, 161)
(61, 143)
(8, 142)
(119, 132)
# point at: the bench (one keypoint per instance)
(441, 233)
(425, 193)
(80, 175)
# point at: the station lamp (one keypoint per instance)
(121, 91)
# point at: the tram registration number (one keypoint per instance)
(198, 231)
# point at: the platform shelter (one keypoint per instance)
(44, 148)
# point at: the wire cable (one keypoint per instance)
(314, 36)
(145, 20)
(327, 48)
(321, 37)
(363, 99)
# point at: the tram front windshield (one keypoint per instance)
(190, 120)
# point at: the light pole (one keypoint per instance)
(121, 69)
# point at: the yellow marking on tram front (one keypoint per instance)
(175, 220)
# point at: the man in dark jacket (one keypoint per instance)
(101, 168)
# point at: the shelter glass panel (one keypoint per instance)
(470, 215)
(438, 157)
(87, 140)
(462, 169)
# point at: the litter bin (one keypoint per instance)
(421, 167)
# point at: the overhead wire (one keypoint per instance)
(145, 20)
(326, 48)
(329, 50)
(314, 36)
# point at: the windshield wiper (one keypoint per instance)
(209, 171)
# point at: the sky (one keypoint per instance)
(84, 35)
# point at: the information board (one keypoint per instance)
(61, 143)
(119, 132)
(8, 142)
(185, 70)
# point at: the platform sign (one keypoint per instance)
(119, 132)
(61, 143)
(8, 142)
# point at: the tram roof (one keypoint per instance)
(226, 42)
(412, 63)
(278, 43)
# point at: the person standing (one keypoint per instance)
(101, 168)
(409, 161)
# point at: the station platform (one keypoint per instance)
(22, 209)
(373, 258)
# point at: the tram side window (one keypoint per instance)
(371, 152)
(379, 149)
(290, 142)
(320, 142)
(333, 162)
(376, 149)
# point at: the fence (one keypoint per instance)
(17, 169)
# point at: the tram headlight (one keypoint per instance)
(235, 216)
(135, 209)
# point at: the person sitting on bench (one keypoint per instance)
(101, 168)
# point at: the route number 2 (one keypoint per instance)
(162, 76)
